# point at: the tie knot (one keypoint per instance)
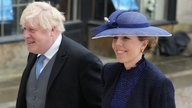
(41, 58)
(39, 65)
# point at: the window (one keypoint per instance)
(70, 8)
(10, 11)
(152, 9)
(125, 5)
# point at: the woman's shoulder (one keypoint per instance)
(150, 67)
(153, 73)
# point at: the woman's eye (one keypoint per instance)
(126, 37)
(115, 38)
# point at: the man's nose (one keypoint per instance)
(26, 33)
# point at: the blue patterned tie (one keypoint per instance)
(39, 65)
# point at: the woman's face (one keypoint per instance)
(128, 49)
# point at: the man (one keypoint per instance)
(70, 74)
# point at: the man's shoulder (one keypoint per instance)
(76, 50)
(71, 46)
(112, 68)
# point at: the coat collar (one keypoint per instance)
(60, 60)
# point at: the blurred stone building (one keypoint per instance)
(81, 16)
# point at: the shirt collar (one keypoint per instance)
(54, 48)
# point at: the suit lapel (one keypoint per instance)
(31, 60)
(60, 60)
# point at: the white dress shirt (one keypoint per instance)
(52, 51)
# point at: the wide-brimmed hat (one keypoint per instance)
(126, 23)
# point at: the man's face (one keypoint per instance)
(37, 39)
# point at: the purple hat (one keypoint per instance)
(126, 23)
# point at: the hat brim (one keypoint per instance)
(147, 31)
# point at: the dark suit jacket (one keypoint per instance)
(75, 80)
(153, 89)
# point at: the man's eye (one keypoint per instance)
(24, 29)
(32, 30)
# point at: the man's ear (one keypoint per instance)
(53, 31)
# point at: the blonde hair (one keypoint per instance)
(47, 15)
(153, 40)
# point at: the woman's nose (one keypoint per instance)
(118, 41)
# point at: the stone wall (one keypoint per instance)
(184, 16)
(188, 50)
(13, 55)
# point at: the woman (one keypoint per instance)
(133, 82)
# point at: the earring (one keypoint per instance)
(141, 50)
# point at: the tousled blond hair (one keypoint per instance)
(47, 15)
